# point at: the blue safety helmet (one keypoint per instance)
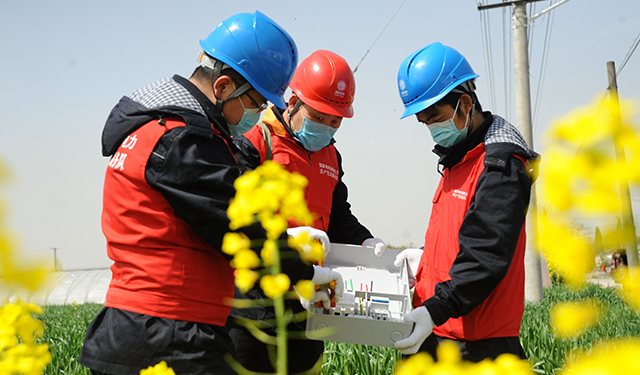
(429, 74)
(257, 48)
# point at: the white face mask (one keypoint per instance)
(445, 133)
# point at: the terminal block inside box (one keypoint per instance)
(376, 297)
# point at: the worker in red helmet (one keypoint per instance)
(301, 139)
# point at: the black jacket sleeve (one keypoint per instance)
(195, 174)
(344, 227)
(247, 155)
(488, 237)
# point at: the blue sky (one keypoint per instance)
(64, 64)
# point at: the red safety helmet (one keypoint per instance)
(324, 81)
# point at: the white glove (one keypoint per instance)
(413, 257)
(378, 245)
(421, 330)
(323, 275)
(314, 233)
(319, 295)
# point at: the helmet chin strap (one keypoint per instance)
(473, 111)
(217, 67)
(237, 92)
(468, 87)
(295, 109)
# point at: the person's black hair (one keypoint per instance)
(204, 74)
(452, 98)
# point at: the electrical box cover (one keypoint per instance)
(376, 297)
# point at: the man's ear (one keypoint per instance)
(293, 99)
(223, 87)
(466, 103)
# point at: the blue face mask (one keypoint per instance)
(250, 117)
(248, 120)
(445, 133)
(314, 135)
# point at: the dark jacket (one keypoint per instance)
(471, 275)
(192, 166)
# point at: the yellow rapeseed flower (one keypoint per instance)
(233, 242)
(417, 364)
(159, 369)
(275, 286)
(19, 329)
(275, 225)
(564, 249)
(272, 171)
(15, 271)
(246, 279)
(247, 182)
(270, 194)
(615, 236)
(580, 169)
(240, 212)
(572, 318)
(25, 359)
(613, 357)
(295, 207)
(309, 248)
(558, 189)
(511, 364)
(245, 259)
(450, 362)
(630, 281)
(306, 289)
(449, 352)
(268, 251)
(582, 127)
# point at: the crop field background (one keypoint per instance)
(65, 327)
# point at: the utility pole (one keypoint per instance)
(628, 225)
(55, 259)
(532, 261)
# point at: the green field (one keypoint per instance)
(65, 327)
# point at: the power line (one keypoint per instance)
(628, 56)
(530, 28)
(488, 56)
(543, 65)
(374, 42)
(506, 58)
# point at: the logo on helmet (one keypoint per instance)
(402, 86)
(342, 85)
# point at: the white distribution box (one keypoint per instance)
(376, 298)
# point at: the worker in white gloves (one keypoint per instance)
(469, 284)
(412, 257)
(423, 324)
(301, 139)
(378, 245)
(323, 277)
(313, 233)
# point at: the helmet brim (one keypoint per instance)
(420, 105)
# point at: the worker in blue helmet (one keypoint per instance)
(261, 57)
(469, 276)
(166, 192)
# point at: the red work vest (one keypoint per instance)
(161, 266)
(501, 313)
(320, 167)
